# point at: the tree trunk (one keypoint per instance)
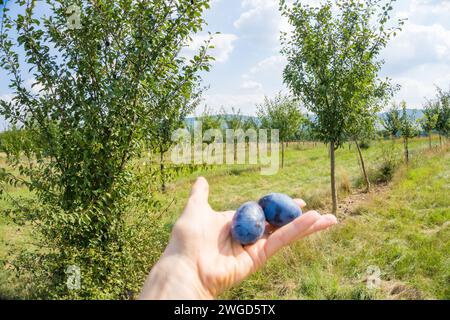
(161, 166)
(282, 154)
(440, 140)
(333, 179)
(366, 177)
(405, 143)
(429, 138)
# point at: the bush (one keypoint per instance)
(384, 171)
(364, 145)
(391, 159)
(113, 265)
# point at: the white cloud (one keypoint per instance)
(261, 19)
(427, 11)
(419, 83)
(416, 45)
(419, 57)
(274, 63)
(223, 45)
(264, 71)
(251, 85)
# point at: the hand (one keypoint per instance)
(202, 260)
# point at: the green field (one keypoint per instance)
(401, 228)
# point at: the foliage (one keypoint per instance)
(443, 105)
(408, 127)
(18, 142)
(210, 121)
(430, 116)
(234, 121)
(251, 123)
(281, 113)
(96, 91)
(171, 105)
(391, 121)
(307, 129)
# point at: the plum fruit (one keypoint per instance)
(248, 223)
(279, 209)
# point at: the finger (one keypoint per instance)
(200, 191)
(286, 234)
(305, 225)
(270, 243)
(323, 223)
(300, 203)
(228, 215)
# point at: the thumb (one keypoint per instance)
(200, 191)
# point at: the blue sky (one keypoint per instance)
(248, 64)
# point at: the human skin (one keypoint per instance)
(202, 260)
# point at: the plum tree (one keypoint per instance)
(429, 120)
(98, 84)
(333, 62)
(281, 113)
(408, 129)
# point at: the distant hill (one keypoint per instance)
(415, 113)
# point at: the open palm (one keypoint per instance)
(201, 243)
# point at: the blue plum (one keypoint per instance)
(248, 223)
(279, 209)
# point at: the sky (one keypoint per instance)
(249, 66)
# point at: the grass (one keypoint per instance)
(306, 175)
(403, 232)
